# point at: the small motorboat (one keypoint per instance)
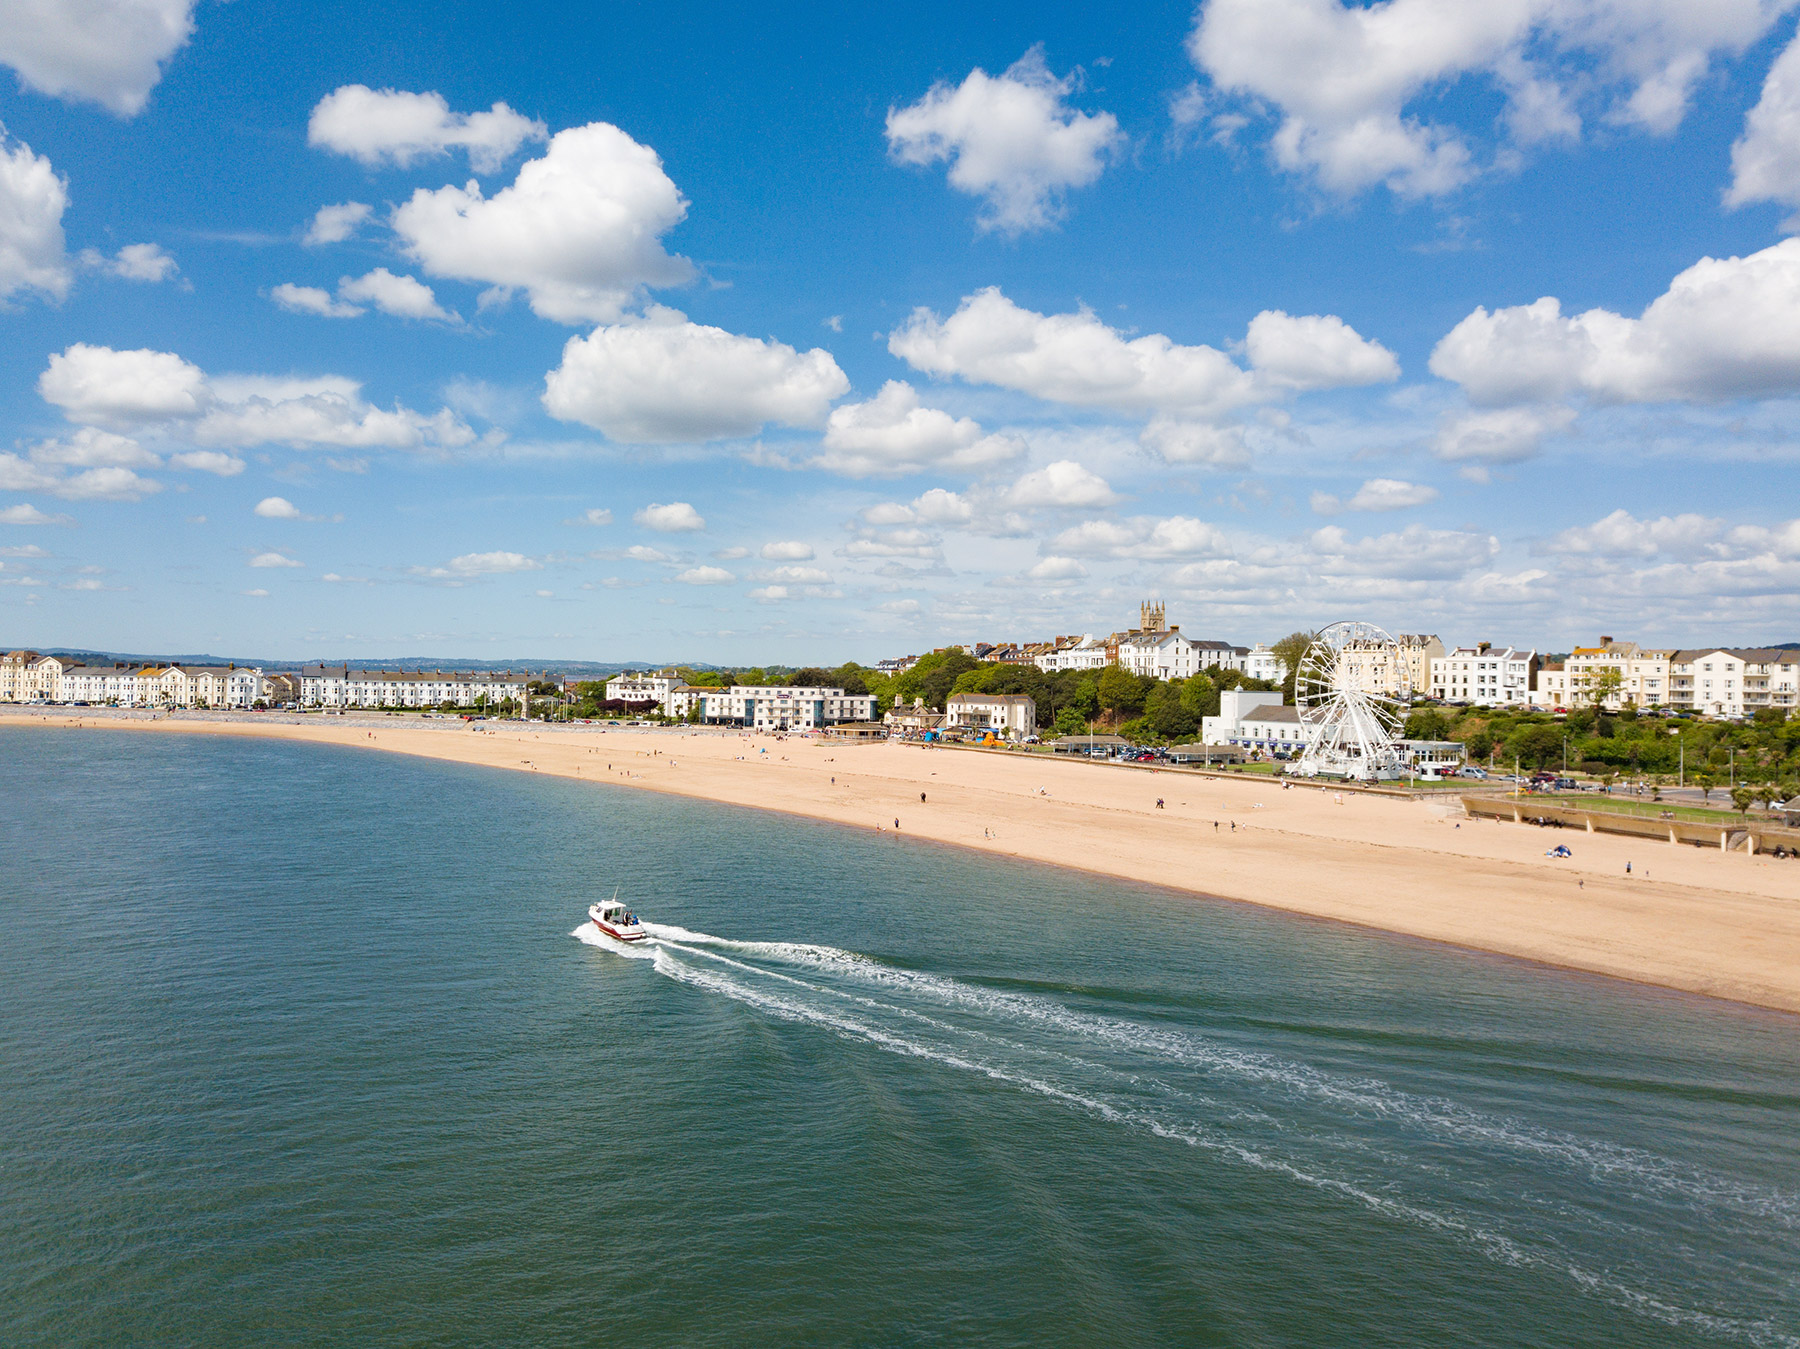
(617, 921)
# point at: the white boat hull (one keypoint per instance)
(632, 932)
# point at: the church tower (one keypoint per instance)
(1150, 617)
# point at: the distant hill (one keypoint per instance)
(568, 668)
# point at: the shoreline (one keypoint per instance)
(1725, 925)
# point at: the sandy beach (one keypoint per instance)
(1722, 924)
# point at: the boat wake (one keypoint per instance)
(1662, 1238)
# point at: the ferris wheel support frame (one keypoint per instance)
(1349, 731)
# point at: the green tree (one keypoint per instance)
(1742, 798)
(1602, 686)
(1427, 724)
(1121, 692)
(1167, 714)
(851, 678)
(1070, 722)
(1288, 651)
(1086, 698)
(1200, 696)
(933, 677)
(1535, 746)
(1705, 782)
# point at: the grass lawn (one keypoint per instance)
(1651, 810)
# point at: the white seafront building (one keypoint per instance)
(26, 677)
(1486, 675)
(1734, 682)
(1009, 714)
(345, 686)
(631, 687)
(1253, 719)
(772, 707)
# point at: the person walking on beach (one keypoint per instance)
(921, 798)
(1159, 803)
(896, 824)
(1628, 868)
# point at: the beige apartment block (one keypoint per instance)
(1398, 671)
(14, 675)
(1643, 674)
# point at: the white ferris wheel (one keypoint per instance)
(1351, 691)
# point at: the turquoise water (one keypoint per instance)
(307, 1046)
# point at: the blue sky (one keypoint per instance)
(804, 336)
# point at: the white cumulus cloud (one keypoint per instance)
(1315, 351)
(705, 576)
(105, 479)
(892, 434)
(1725, 328)
(215, 462)
(1065, 483)
(312, 300)
(493, 564)
(677, 517)
(1391, 494)
(1621, 534)
(402, 296)
(134, 262)
(391, 126)
(1190, 442)
(579, 230)
(1499, 435)
(786, 552)
(795, 575)
(1011, 140)
(1350, 84)
(1067, 358)
(108, 52)
(90, 447)
(277, 508)
(334, 224)
(100, 385)
(660, 379)
(24, 513)
(1765, 162)
(273, 559)
(1376, 494)
(1055, 569)
(1077, 359)
(32, 201)
(1142, 538)
(143, 388)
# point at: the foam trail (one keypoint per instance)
(1495, 1245)
(1352, 1104)
(1602, 1162)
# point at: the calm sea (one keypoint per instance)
(302, 1045)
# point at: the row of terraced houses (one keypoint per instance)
(28, 677)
